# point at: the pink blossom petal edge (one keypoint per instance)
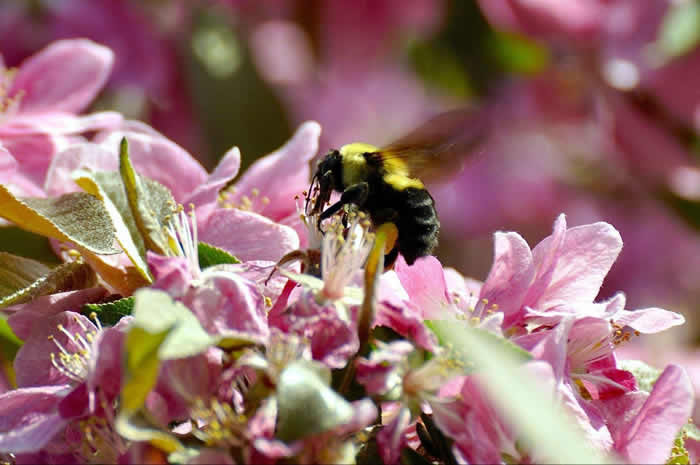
(29, 418)
(649, 436)
(65, 76)
(425, 284)
(205, 197)
(510, 275)
(23, 317)
(288, 166)
(586, 255)
(248, 236)
(649, 320)
(160, 159)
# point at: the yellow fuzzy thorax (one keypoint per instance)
(355, 167)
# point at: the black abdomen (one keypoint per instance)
(413, 212)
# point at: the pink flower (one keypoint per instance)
(38, 107)
(422, 293)
(75, 374)
(644, 425)
(565, 268)
(575, 20)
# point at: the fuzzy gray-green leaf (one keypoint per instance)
(151, 203)
(76, 217)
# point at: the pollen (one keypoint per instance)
(100, 442)
(8, 105)
(216, 423)
(253, 202)
(74, 363)
(621, 334)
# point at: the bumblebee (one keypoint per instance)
(386, 183)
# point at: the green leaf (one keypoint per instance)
(514, 351)
(162, 329)
(541, 422)
(136, 428)
(9, 342)
(22, 279)
(645, 375)
(16, 275)
(110, 313)
(151, 203)
(156, 312)
(680, 29)
(26, 244)
(517, 53)
(210, 255)
(306, 404)
(110, 189)
(76, 217)
(142, 365)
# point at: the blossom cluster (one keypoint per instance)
(190, 322)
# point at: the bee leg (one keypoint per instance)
(357, 194)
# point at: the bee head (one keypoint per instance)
(329, 177)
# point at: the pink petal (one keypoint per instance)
(587, 253)
(675, 85)
(623, 379)
(549, 19)
(105, 374)
(8, 165)
(649, 320)
(392, 438)
(33, 361)
(288, 167)
(545, 256)
(29, 419)
(24, 316)
(205, 196)
(61, 123)
(333, 339)
(160, 159)
(170, 274)
(553, 347)
(649, 437)
(510, 275)
(408, 322)
(34, 153)
(88, 156)
(65, 76)
(230, 306)
(424, 282)
(248, 236)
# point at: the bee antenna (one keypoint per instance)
(308, 193)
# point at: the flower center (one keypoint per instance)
(74, 364)
(218, 424)
(254, 203)
(343, 252)
(181, 232)
(100, 442)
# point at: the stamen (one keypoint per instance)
(182, 236)
(74, 364)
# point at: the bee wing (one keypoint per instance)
(439, 147)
